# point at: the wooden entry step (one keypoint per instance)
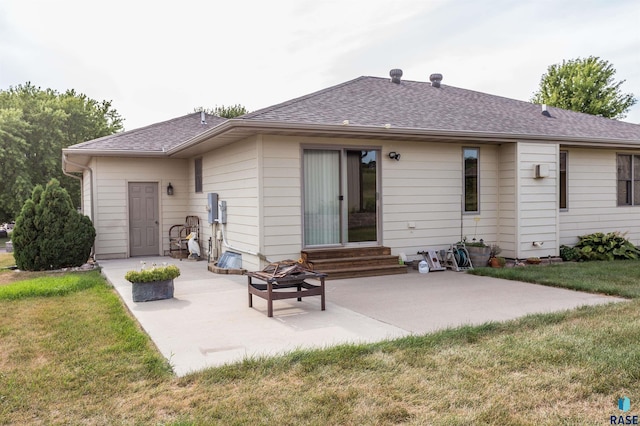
(353, 262)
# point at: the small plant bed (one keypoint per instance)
(155, 283)
(154, 273)
(600, 246)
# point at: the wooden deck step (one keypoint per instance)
(360, 272)
(353, 262)
(347, 262)
(341, 252)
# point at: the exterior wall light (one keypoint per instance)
(169, 189)
(394, 155)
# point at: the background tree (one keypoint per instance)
(584, 85)
(224, 111)
(35, 125)
(50, 233)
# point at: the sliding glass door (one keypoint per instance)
(321, 197)
(341, 203)
(362, 194)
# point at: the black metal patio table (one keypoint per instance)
(288, 286)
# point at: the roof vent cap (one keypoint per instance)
(435, 79)
(395, 74)
(545, 111)
(203, 118)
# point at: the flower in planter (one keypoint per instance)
(473, 242)
(495, 250)
(155, 273)
(498, 262)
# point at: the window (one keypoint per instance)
(628, 180)
(563, 179)
(198, 174)
(471, 171)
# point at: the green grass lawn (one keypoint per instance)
(72, 354)
(6, 260)
(619, 278)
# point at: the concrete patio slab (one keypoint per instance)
(208, 322)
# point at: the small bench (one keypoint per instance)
(287, 287)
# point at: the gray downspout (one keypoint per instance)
(66, 160)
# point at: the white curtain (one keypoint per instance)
(321, 192)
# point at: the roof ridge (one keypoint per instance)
(145, 128)
(168, 121)
(302, 98)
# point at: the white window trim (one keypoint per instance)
(464, 186)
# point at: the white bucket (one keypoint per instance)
(423, 267)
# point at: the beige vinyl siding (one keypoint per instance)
(111, 199)
(591, 197)
(537, 200)
(282, 190)
(508, 191)
(232, 172)
(425, 188)
(281, 197)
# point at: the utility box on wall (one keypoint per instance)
(222, 216)
(541, 170)
(212, 207)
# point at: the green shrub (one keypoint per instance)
(26, 250)
(611, 246)
(50, 233)
(568, 253)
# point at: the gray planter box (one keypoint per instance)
(155, 290)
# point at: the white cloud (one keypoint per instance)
(158, 60)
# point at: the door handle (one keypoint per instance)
(156, 222)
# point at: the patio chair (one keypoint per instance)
(178, 241)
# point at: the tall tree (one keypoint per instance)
(15, 183)
(584, 85)
(224, 111)
(35, 125)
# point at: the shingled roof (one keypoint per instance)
(158, 137)
(373, 101)
(408, 108)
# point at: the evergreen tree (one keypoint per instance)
(50, 233)
(26, 250)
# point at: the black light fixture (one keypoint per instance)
(169, 189)
(394, 155)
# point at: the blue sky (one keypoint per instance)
(156, 60)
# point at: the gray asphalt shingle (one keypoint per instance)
(156, 137)
(375, 101)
